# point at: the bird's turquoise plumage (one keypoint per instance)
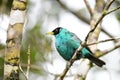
(63, 44)
(66, 44)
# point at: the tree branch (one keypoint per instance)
(88, 7)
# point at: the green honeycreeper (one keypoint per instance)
(66, 44)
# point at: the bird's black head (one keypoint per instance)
(57, 30)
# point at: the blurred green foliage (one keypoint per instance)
(2, 48)
(1, 68)
(40, 46)
(117, 13)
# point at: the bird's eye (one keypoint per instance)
(57, 30)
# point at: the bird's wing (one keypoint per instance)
(73, 43)
(74, 37)
(72, 46)
(77, 39)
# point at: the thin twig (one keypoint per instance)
(28, 66)
(113, 10)
(111, 49)
(103, 41)
(22, 71)
(88, 7)
(109, 4)
(107, 33)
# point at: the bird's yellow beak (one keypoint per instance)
(51, 33)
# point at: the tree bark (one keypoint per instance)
(14, 38)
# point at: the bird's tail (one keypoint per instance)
(95, 60)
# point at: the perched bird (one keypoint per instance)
(66, 44)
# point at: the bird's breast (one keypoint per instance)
(62, 48)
